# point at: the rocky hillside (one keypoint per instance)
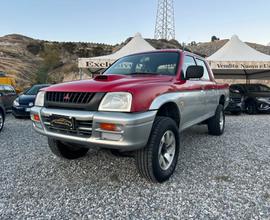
(23, 57)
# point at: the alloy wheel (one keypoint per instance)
(167, 148)
(1, 120)
(221, 120)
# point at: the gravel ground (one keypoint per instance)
(225, 177)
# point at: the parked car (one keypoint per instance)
(2, 113)
(141, 104)
(256, 97)
(8, 95)
(22, 104)
(236, 103)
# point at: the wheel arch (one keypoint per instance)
(171, 110)
(222, 100)
(249, 100)
(166, 102)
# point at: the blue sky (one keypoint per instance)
(112, 21)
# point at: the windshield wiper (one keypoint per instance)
(143, 73)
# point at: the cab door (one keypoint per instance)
(209, 88)
(192, 97)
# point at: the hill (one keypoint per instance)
(24, 58)
(21, 57)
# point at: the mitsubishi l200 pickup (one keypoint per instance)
(141, 103)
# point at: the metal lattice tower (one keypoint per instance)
(165, 26)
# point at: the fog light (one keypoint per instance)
(111, 137)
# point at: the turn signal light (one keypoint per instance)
(36, 118)
(108, 127)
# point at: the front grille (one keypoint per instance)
(73, 100)
(81, 128)
(236, 99)
(69, 97)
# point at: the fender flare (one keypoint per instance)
(164, 99)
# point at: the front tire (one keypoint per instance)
(236, 112)
(157, 161)
(251, 108)
(216, 124)
(66, 150)
(2, 120)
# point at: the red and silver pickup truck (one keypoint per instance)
(141, 103)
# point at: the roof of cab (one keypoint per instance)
(169, 50)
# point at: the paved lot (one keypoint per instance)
(224, 177)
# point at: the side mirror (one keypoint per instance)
(194, 72)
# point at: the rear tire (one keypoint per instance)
(66, 150)
(2, 120)
(216, 124)
(157, 161)
(118, 153)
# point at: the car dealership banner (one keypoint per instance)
(240, 70)
(95, 63)
(240, 65)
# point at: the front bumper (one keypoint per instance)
(134, 133)
(234, 107)
(21, 111)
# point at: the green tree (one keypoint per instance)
(98, 51)
(214, 38)
(51, 60)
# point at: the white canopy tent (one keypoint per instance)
(136, 45)
(237, 60)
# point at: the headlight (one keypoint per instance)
(263, 99)
(40, 99)
(16, 102)
(116, 102)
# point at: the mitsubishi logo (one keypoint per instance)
(66, 97)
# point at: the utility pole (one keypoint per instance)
(165, 26)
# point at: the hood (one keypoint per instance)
(111, 83)
(259, 94)
(144, 88)
(26, 99)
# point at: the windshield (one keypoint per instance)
(164, 63)
(34, 90)
(257, 88)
